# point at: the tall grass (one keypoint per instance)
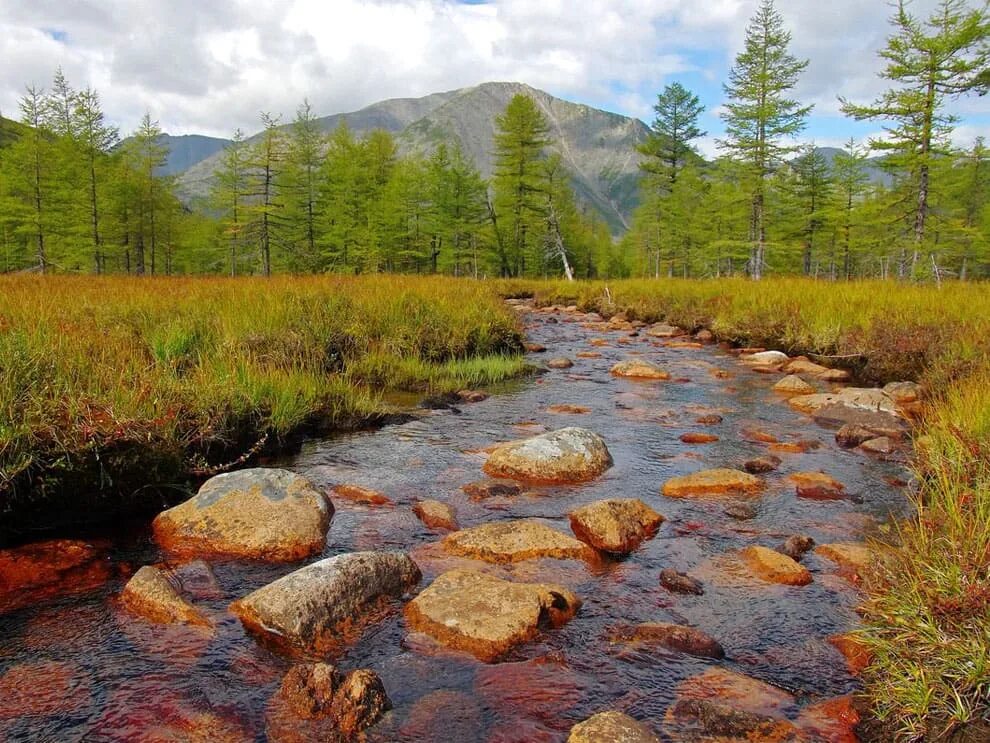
(102, 376)
(927, 613)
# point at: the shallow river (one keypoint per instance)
(129, 675)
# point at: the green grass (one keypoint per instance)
(100, 377)
(927, 611)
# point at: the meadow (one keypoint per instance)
(110, 385)
(927, 614)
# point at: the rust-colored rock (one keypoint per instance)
(796, 546)
(308, 689)
(881, 446)
(263, 514)
(588, 355)
(793, 385)
(151, 594)
(638, 369)
(851, 435)
(565, 455)
(661, 330)
(698, 438)
(801, 365)
(535, 348)
(762, 465)
(741, 511)
(611, 727)
(435, 514)
(444, 715)
(671, 636)
(710, 720)
(852, 557)
(43, 688)
(833, 720)
(773, 567)
(359, 702)
(714, 482)
(711, 419)
(854, 650)
(568, 409)
(816, 478)
(680, 582)
(483, 489)
(35, 572)
(561, 363)
(358, 494)
(485, 616)
(472, 396)
(616, 525)
(514, 541)
(737, 691)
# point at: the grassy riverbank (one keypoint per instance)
(105, 383)
(927, 615)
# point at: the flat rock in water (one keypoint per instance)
(664, 331)
(698, 438)
(851, 435)
(151, 595)
(712, 482)
(514, 541)
(801, 365)
(435, 514)
(737, 691)
(773, 567)
(358, 494)
(673, 637)
(867, 398)
(616, 525)
(34, 572)
(611, 727)
(491, 489)
(566, 455)
(680, 582)
(304, 610)
(485, 616)
(262, 514)
(816, 478)
(766, 358)
(561, 363)
(793, 385)
(881, 422)
(852, 556)
(796, 546)
(638, 369)
(762, 465)
(881, 445)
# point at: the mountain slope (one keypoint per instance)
(186, 150)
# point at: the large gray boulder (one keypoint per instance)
(566, 455)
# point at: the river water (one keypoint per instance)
(127, 676)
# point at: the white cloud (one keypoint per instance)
(212, 66)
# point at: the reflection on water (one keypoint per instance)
(95, 674)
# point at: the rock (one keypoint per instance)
(711, 482)
(774, 567)
(435, 514)
(711, 419)
(360, 702)
(680, 582)
(673, 637)
(766, 358)
(762, 465)
(796, 546)
(308, 689)
(263, 514)
(150, 594)
(833, 720)
(705, 336)
(485, 616)
(661, 330)
(44, 688)
(196, 580)
(740, 511)
(801, 365)
(472, 396)
(638, 369)
(567, 409)
(303, 610)
(491, 489)
(565, 455)
(856, 653)
(793, 385)
(816, 478)
(611, 727)
(760, 437)
(903, 392)
(736, 691)
(561, 363)
(588, 355)
(541, 691)
(854, 557)
(32, 573)
(447, 401)
(535, 348)
(698, 438)
(444, 715)
(851, 435)
(881, 445)
(725, 723)
(357, 494)
(616, 525)
(882, 423)
(514, 541)
(599, 342)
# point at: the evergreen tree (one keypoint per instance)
(944, 57)
(668, 148)
(300, 186)
(30, 163)
(229, 193)
(759, 115)
(263, 213)
(146, 191)
(851, 184)
(97, 141)
(812, 191)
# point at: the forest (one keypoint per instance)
(75, 198)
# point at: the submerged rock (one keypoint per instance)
(852, 557)
(698, 438)
(514, 541)
(491, 489)
(611, 727)
(358, 494)
(711, 482)
(304, 610)
(801, 365)
(723, 722)
(435, 514)
(617, 525)
(796, 546)
(638, 369)
(561, 363)
(740, 511)
(774, 567)
(680, 582)
(263, 514)
(57, 567)
(151, 595)
(565, 455)
(762, 465)
(44, 688)
(793, 385)
(485, 616)
(673, 637)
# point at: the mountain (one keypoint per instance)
(186, 150)
(873, 167)
(9, 131)
(597, 147)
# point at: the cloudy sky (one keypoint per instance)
(208, 66)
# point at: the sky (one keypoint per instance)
(210, 66)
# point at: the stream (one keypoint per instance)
(102, 675)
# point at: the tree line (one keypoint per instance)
(769, 204)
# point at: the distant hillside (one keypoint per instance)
(186, 150)
(873, 166)
(9, 131)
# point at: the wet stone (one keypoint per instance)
(638, 369)
(796, 546)
(43, 688)
(514, 541)
(561, 363)
(793, 385)
(674, 637)
(741, 511)
(698, 438)
(565, 455)
(676, 582)
(491, 489)
(711, 483)
(881, 446)
(762, 465)
(611, 727)
(774, 567)
(153, 595)
(435, 514)
(34, 572)
(358, 494)
(712, 419)
(727, 723)
(853, 557)
(618, 525)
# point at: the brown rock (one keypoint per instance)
(725, 723)
(535, 348)
(740, 511)
(472, 396)
(43, 688)
(588, 355)
(737, 691)
(485, 616)
(152, 595)
(711, 482)
(796, 546)
(705, 336)
(360, 702)
(762, 465)
(611, 727)
(673, 637)
(638, 369)
(567, 409)
(357, 494)
(881, 446)
(435, 514)
(801, 365)
(793, 385)
(561, 363)
(774, 567)
(865, 398)
(263, 514)
(880, 422)
(698, 438)
(306, 610)
(444, 715)
(854, 650)
(514, 541)
(308, 689)
(617, 525)
(565, 455)
(816, 478)
(852, 435)
(834, 720)
(712, 419)
(903, 392)
(491, 489)
(196, 580)
(32, 573)
(758, 436)
(854, 557)
(661, 330)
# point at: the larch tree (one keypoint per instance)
(97, 140)
(266, 161)
(760, 116)
(31, 158)
(229, 192)
(928, 62)
(669, 146)
(145, 156)
(812, 191)
(300, 185)
(851, 183)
